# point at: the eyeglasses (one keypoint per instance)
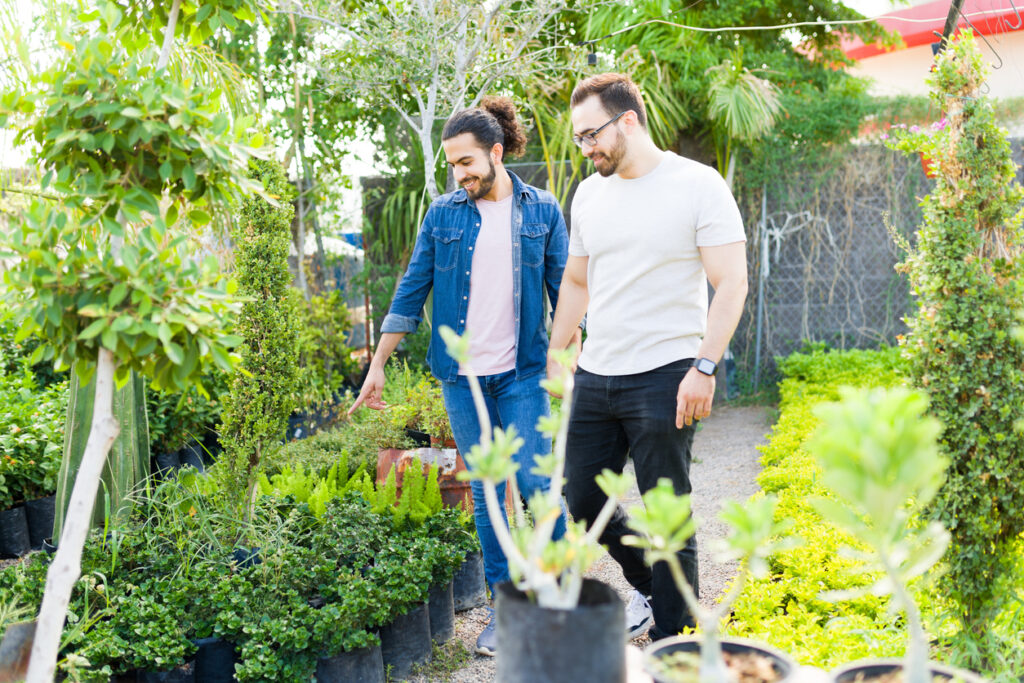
(591, 137)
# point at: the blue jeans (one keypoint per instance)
(510, 402)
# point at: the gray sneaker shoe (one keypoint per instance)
(487, 641)
(639, 615)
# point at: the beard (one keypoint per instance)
(607, 164)
(483, 185)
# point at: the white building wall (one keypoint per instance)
(903, 72)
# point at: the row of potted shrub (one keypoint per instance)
(308, 579)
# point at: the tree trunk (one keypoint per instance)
(66, 567)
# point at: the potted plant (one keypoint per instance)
(880, 458)
(548, 609)
(664, 524)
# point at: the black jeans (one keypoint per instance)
(633, 415)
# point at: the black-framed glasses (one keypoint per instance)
(591, 137)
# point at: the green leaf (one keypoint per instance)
(199, 217)
(109, 339)
(117, 294)
(174, 353)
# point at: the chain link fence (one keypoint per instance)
(822, 259)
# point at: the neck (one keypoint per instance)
(502, 186)
(642, 158)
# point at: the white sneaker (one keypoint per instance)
(639, 616)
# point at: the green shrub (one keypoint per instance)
(968, 275)
(321, 450)
(31, 433)
(263, 394)
(325, 360)
(786, 609)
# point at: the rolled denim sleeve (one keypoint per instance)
(556, 254)
(406, 310)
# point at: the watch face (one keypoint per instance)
(706, 366)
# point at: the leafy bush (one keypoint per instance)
(321, 450)
(31, 420)
(968, 275)
(263, 395)
(176, 419)
(31, 434)
(786, 608)
(325, 360)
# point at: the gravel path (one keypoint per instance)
(726, 464)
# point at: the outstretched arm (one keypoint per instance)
(372, 392)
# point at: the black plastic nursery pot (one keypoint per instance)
(663, 672)
(14, 538)
(215, 660)
(442, 613)
(406, 641)
(867, 670)
(365, 665)
(192, 455)
(167, 463)
(186, 673)
(469, 587)
(542, 645)
(40, 513)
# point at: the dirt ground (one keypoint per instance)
(726, 465)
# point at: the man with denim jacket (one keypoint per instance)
(489, 251)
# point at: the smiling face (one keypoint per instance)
(611, 147)
(472, 166)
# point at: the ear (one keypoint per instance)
(630, 118)
(497, 150)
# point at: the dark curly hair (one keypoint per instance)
(493, 122)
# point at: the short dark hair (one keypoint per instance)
(493, 122)
(617, 93)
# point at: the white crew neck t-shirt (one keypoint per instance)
(490, 319)
(648, 289)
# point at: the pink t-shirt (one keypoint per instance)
(490, 319)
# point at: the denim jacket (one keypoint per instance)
(443, 259)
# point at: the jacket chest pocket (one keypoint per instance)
(534, 237)
(447, 242)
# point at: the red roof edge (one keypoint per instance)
(918, 25)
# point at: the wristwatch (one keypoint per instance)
(706, 366)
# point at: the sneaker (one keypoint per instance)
(639, 616)
(487, 641)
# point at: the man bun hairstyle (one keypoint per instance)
(616, 92)
(493, 122)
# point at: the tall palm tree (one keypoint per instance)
(742, 107)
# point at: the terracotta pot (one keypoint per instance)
(928, 166)
(449, 461)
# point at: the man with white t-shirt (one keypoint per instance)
(489, 251)
(649, 230)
